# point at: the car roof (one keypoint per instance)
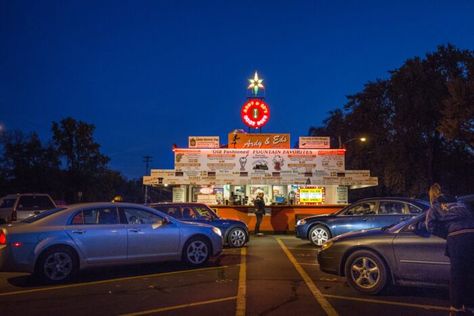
(468, 197)
(393, 198)
(100, 204)
(177, 203)
(14, 196)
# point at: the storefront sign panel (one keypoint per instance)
(314, 142)
(258, 141)
(203, 142)
(265, 161)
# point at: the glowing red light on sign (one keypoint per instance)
(3, 238)
(255, 113)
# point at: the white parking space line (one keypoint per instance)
(309, 282)
(169, 308)
(242, 291)
(60, 287)
(374, 301)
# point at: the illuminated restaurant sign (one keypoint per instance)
(314, 142)
(255, 113)
(260, 162)
(203, 141)
(311, 195)
(257, 141)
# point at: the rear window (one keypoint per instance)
(174, 211)
(42, 215)
(32, 202)
(7, 203)
(469, 204)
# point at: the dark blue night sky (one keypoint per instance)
(148, 74)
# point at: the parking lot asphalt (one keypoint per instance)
(273, 275)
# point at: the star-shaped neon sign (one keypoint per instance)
(255, 83)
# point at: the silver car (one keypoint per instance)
(57, 243)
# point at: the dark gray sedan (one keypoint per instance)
(404, 254)
(57, 243)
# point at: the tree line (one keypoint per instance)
(70, 166)
(419, 125)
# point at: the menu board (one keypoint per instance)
(261, 162)
(310, 195)
(259, 166)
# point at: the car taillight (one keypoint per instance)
(3, 238)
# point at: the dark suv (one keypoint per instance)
(234, 232)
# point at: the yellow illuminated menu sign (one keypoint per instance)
(311, 195)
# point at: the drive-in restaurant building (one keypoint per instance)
(296, 182)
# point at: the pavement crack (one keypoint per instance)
(295, 284)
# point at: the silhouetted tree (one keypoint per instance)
(27, 165)
(85, 165)
(419, 125)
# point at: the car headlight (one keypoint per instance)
(327, 245)
(301, 222)
(217, 231)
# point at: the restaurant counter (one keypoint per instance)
(278, 218)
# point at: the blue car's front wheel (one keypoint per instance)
(196, 251)
(237, 238)
(319, 234)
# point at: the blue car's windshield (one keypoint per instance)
(41, 215)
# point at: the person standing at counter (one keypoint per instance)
(259, 204)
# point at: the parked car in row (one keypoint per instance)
(402, 254)
(19, 206)
(234, 232)
(363, 214)
(57, 243)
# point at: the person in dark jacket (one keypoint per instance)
(259, 204)
(456, 221)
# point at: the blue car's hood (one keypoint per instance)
(320, 216)
(230, 221)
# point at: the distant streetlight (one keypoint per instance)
(343, 144)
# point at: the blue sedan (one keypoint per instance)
(57, 243)
(234, 232)
(364, 214)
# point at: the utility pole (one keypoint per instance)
(146, 160)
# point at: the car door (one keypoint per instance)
(150, 238)
(99, 235)
(355, 217)
(420, 255)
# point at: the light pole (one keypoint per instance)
(146, 160)
(343, 144)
